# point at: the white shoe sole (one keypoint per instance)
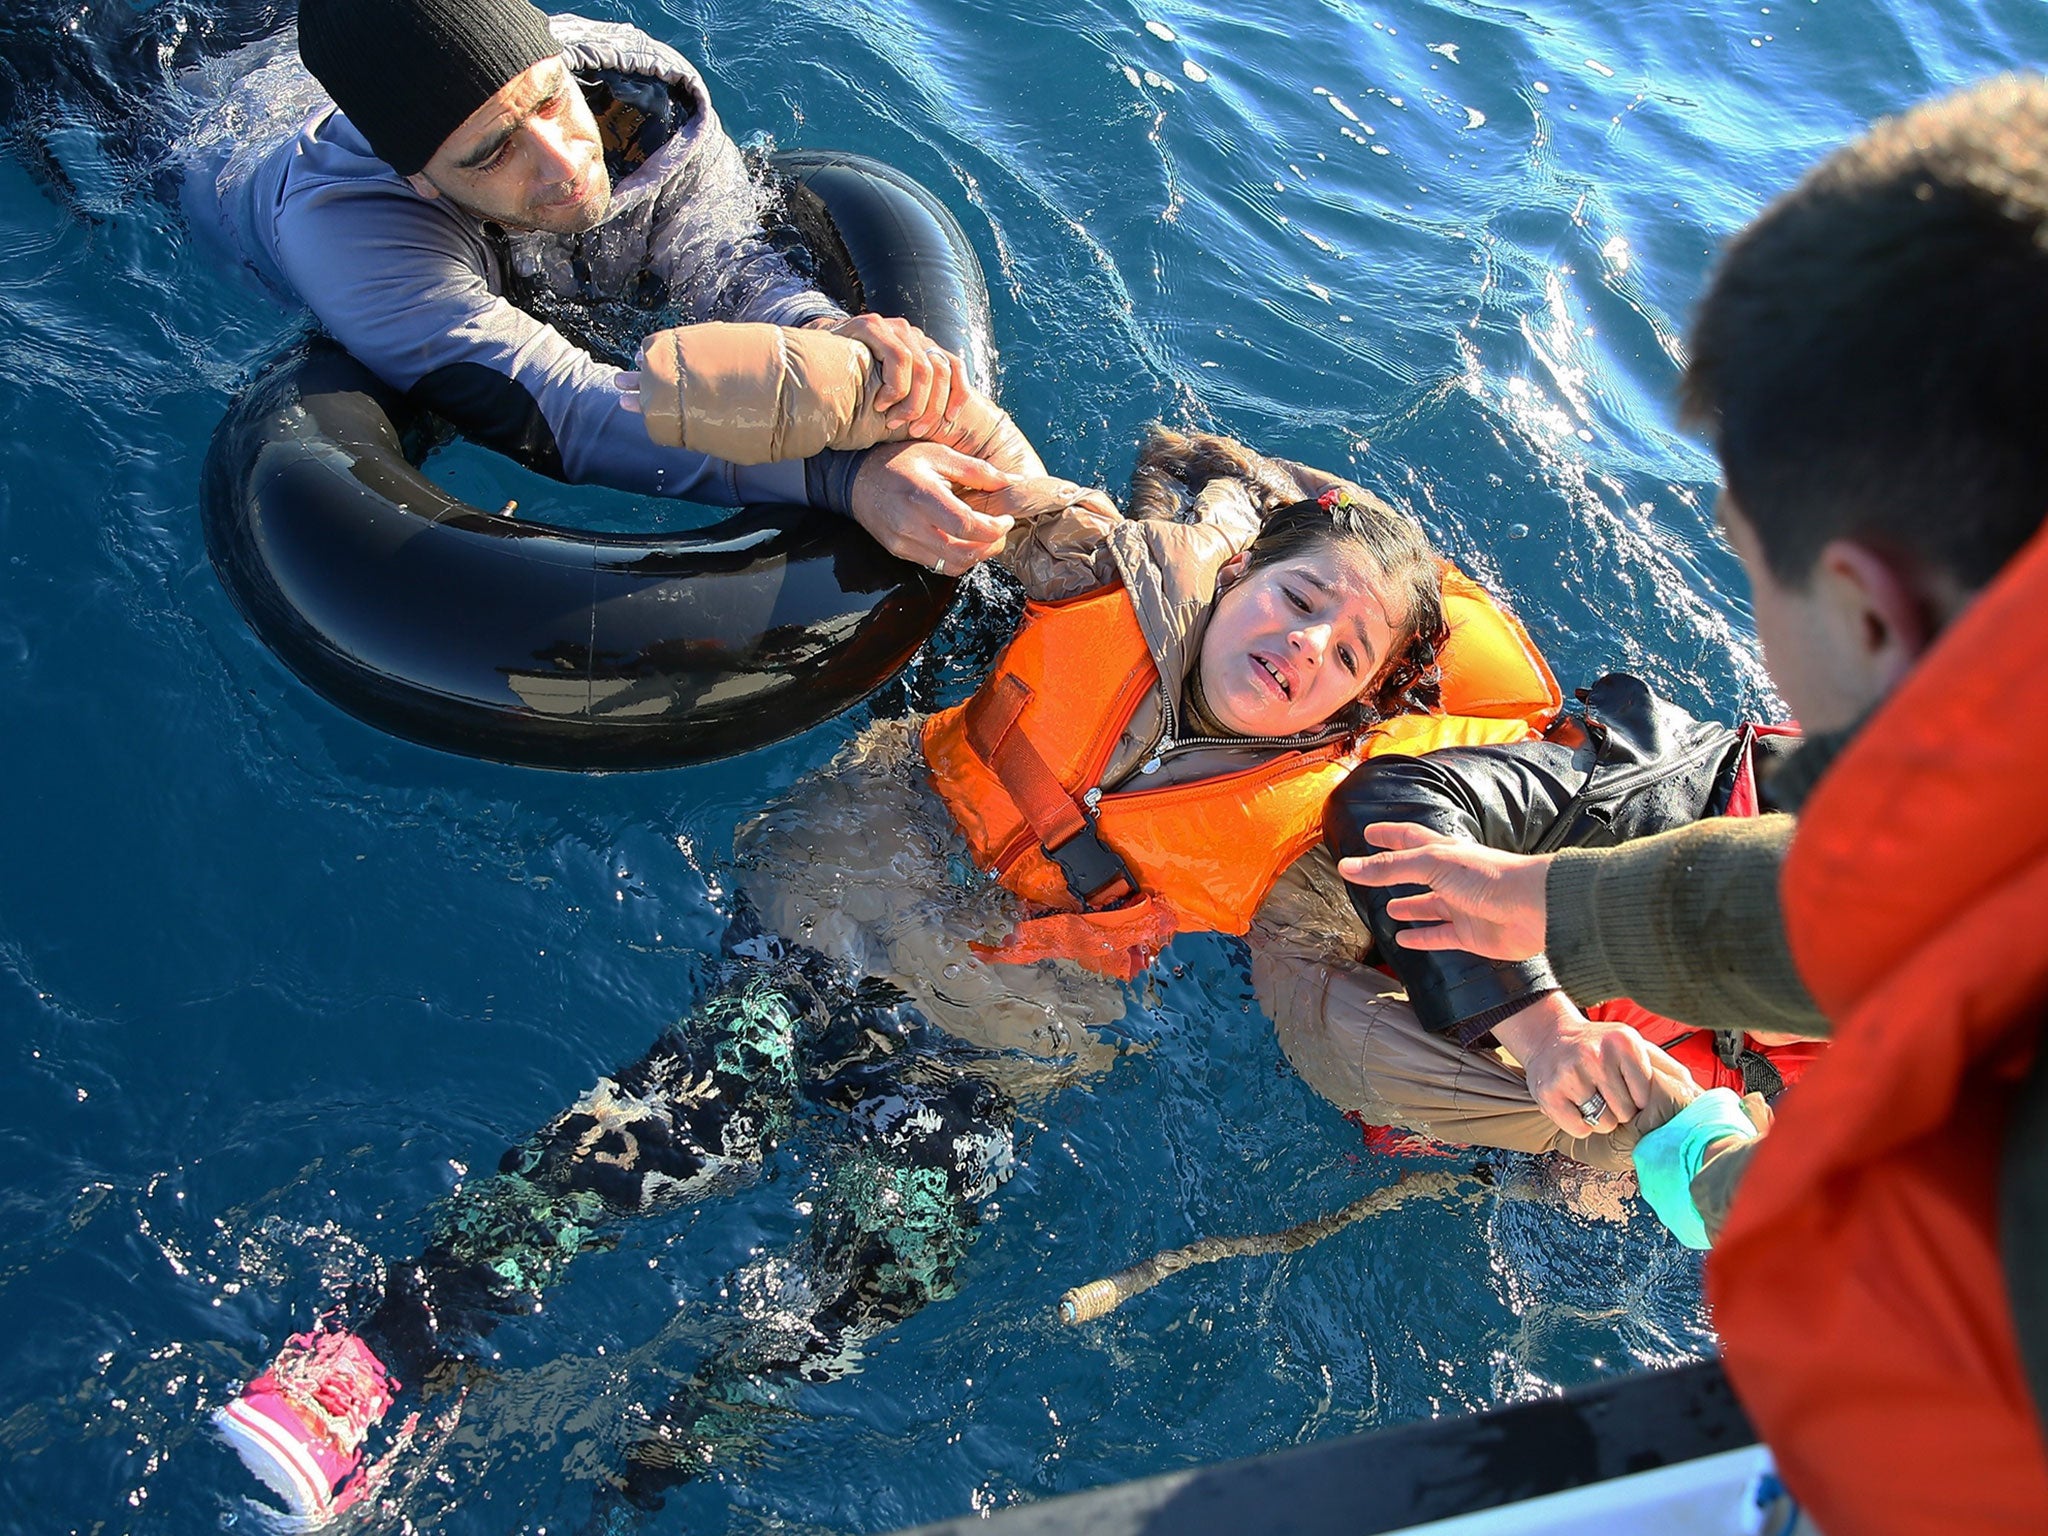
(278, 1461)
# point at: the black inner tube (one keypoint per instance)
(553, 647)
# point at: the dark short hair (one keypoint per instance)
(1395, 546)
(1871, 356)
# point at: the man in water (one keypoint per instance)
(475, 170)
(1869, 363)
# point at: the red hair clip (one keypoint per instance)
(1335, 499)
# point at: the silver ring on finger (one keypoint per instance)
(939, 566)
(1593, 1109)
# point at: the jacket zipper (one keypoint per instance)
(1621, 784)
(1168, 743)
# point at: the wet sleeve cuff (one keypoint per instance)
(828, 480)
(1668, 1159)
(1476, 1032)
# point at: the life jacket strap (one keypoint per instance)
(1096, 876)
(1742, 795)
(1095, 873)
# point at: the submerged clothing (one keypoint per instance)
(1878, 1284)
(1350, 1032)
(454, 310)
(1414, 1049)
(864, 862)
(861, 862)
(903, 1132)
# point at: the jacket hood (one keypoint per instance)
(1858, 1286)
(588, 44)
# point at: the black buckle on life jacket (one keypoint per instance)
(1760, 1074)
(1096, 877)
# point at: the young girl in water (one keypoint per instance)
(930, 923)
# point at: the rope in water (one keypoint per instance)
(1098, 1298)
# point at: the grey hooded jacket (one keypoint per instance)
(423, 293)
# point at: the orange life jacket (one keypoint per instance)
(1119, 872)
(1858, 1288)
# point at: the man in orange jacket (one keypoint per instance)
(1871, 361)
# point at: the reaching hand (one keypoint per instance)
(908, 496)
(1689, 1182)
(923, 385)
(1670, 1092)
(1571, 1061)
(1479, 899)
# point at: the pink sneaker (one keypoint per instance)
(300, 1425)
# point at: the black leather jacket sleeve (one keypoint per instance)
(1630, 765)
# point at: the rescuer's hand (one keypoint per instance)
(923, 385)
(1571, 1060)
(908, 496)
(1479, 899)
(1690, 1166)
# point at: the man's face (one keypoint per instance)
(1817, 637)
(529, 158)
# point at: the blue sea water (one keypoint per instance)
(271, 982)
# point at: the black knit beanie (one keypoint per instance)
(408, 72)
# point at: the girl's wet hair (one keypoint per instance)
(1411, 580)
(1304, 510)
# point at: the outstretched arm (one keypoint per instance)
(758, 394)
(402, 284)
(1685, 922)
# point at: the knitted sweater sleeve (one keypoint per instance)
(1686, 923)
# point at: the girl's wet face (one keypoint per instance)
(1290, 644)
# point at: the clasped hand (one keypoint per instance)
(923, 385)
(908, 495)
(1572, 1061)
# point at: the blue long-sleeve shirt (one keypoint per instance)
(424, 293)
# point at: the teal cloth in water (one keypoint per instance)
(1669, 1157)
